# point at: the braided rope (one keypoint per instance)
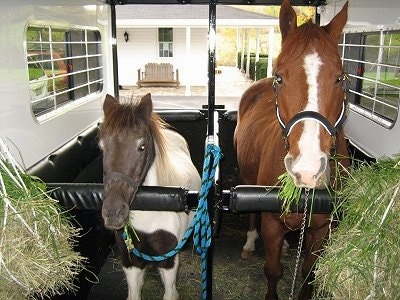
(200, 226)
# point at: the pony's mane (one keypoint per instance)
(304, 38)
(126, 117)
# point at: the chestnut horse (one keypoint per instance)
(139, 149)
(305, 103)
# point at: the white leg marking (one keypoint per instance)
(168, 277)
(135, 280)
(252, 236)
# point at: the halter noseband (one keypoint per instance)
(313, 115)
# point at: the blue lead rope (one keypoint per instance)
(200, 226)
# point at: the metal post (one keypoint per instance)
(114, 49)
(211, 128)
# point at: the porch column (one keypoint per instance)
(188, 90)
(242, 51)
(258, 39)
(248, 54)
(271, 39)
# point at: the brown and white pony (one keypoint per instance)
(304, 103)
(139, 149)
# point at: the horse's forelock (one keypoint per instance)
(126, 117)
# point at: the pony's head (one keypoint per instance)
(310, 95)
(127, 138)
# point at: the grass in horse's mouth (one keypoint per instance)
(288, 192)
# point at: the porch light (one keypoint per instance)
(126, 37)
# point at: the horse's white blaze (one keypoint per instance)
(308, 163)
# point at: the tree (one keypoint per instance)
(227, 44)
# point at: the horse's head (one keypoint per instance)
(128, 151)
(309, 84)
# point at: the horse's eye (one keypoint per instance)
(278, 79)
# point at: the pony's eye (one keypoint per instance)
(142, 148)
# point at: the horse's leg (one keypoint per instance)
(168, 277)
(250, 247)
(135, 280)
(314, 238)
(273, 236)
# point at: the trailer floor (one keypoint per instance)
(233, 278)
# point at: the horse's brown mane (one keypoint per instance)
(126, 117)
(307, 36)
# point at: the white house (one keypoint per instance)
(177, 34)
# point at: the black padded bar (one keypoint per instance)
(89, 196)
(172, 115)
(240, 199)
(246, 198)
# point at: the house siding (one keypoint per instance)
(142, 48)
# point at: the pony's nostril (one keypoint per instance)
(122, 212)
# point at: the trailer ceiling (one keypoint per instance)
(227, 2)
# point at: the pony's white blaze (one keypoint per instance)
(308, 163)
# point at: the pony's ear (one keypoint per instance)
(336, 25)
(146, 105)
(287, 19)
(109, 103)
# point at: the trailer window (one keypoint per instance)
(373, 62)
(64, 68)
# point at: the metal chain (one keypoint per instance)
(301, 239)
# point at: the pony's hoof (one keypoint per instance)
(247, 254)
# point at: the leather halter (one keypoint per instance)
(313, 115)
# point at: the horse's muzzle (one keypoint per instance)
(313, 174)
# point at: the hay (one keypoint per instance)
(37, 259)
(361, 260)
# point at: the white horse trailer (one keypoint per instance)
(59, 59)
(370, 50)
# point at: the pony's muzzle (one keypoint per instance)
(115, 214)
(311, 174)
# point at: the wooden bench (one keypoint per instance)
(158, 74)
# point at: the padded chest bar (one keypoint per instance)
(247, 198)
(89, 196)
(240, 199)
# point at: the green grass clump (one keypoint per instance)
(361, 260)
(37, 259)
(288, 192)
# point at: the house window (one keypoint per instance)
(64, 67)
(165, 42)
(373, 62)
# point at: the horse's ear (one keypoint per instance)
(287, 19)
(109, 103)
(146, 105)
(336, 25)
